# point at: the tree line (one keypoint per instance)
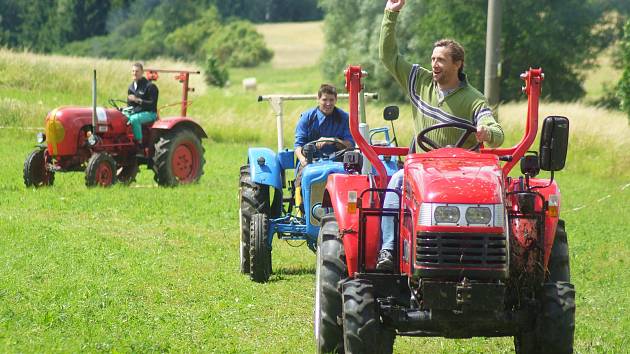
(563, 37)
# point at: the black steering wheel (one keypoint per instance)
(310, 148)
(112, 102)
(426, 144)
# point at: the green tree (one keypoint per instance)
(623, 88)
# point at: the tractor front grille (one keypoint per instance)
(458, 251)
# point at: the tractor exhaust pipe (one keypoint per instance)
(94, 103)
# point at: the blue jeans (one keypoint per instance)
(137, 119)
(391, 201)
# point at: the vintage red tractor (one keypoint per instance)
(478, 252)
(98, 141)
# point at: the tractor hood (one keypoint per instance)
(64, 125)
(453, 175)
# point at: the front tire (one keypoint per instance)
(101, 170)
(362, 329)
(253, 199)
(35, 172)
(555, 322)
(178, 158)
(260, 253)
(331, 270)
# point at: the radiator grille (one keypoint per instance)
(461, 250)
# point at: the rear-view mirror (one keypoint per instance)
(554, 142)
(390, 113)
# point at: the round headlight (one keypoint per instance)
(41, 137)
(446, 214)
(478, 215)
(318, 212)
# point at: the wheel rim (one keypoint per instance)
(185, 162)
(104, 174)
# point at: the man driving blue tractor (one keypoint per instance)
(327, 126)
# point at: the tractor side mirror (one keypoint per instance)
(390, 113)
(554, 142)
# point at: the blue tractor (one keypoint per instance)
(268, 203)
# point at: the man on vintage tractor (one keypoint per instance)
(142, 99)
(327, 126)
(440, 96)
(109, 146)
(476, 252)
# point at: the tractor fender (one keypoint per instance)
(179, 123)
(551, 221)
(338, 188)
(264, 167)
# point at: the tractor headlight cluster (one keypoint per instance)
(41, 137)
(489, 215)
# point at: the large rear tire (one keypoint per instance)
(178, 158)
(260, 253)
(35, 172)
(331, 270)
(101, 170)
(555, 322)
(362, 329)
(253, 199)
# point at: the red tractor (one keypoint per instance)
(478, 252)
(100, 142)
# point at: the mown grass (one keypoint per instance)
(147, 269)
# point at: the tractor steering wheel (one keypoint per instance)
(112, 102)
(426, 144)
(309, 148)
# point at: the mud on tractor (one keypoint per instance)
(268, 201)
(478, 252)
(99, 141)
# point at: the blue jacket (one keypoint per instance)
(313, 124)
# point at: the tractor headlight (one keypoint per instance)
(446, 214)
(478, 215)
(318, 212)
(490, 215)
(41, 137)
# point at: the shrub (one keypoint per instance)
(215, 73)
(238, 45)
(623, 89)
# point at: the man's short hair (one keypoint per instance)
(326, 89)
(454, 49)
(138, 65)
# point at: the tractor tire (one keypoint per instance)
(35, 172)
(330, 272)
(363, 332)
(253, 199)
(101, 170)
(259, 252)
(127, 174)
(559, 267)
(555, 323)
(178, 158)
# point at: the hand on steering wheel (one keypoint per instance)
(427, 144)
(310, 148)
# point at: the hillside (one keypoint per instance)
(294, 44)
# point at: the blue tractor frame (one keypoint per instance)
(268, 203)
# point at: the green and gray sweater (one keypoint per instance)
(464, 104)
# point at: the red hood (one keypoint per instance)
(452, 175)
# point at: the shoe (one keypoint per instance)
(385, 261)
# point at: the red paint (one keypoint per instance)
(448, 175)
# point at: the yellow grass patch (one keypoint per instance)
(294, 45)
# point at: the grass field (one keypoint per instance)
(147, 269)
